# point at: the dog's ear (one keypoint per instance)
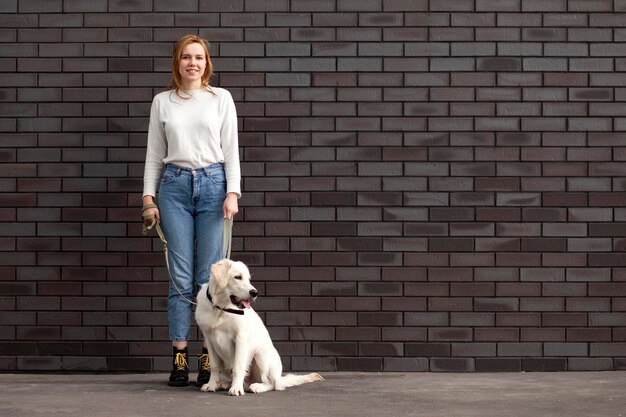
(219, 273)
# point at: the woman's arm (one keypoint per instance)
(230, 145)
(231, 206)
(155, 152)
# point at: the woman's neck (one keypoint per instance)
(194, 86)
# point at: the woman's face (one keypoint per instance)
(192, 65)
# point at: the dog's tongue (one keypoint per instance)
(246, 304)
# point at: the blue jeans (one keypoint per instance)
(192, 218)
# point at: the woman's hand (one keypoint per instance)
(231, 207)
(150, 200)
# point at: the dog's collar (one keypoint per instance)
(228, 310)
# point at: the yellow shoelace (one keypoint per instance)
(181, 361)
(204, 360)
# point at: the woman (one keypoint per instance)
(193, 134)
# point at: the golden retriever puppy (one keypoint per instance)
(241, 351)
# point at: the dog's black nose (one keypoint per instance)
(254, 293)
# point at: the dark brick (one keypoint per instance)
(543, 365)
(90, 364)
(564, 319)
(358, 274)
(405, 365)
(331, 319)
(40, 363)
(449, 334)
(450, 244)
(498, 365)
(362, 364)
(589, 335)
(452, 365)
(473, 349)
(409, 334)
(313, 363)
(337, 348)
(59, 348)
(311, 333)
(590, 364)
(129, 364)
(497, 334)
(38, 333)
(21, 288)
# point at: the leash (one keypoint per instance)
(153, 223)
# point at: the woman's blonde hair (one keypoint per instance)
(176, 82)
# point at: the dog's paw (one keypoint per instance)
(259, 387)
(209, 387)
(236, 391)
(223, 386)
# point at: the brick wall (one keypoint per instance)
(429, 185)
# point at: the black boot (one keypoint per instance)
(204, 368)
(180, 368)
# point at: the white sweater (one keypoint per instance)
(192, 133)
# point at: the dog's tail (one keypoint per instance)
(291, 380)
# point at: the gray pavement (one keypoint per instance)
(588, 394)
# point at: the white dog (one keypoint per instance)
(241, 352)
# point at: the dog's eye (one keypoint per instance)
(238, 277)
